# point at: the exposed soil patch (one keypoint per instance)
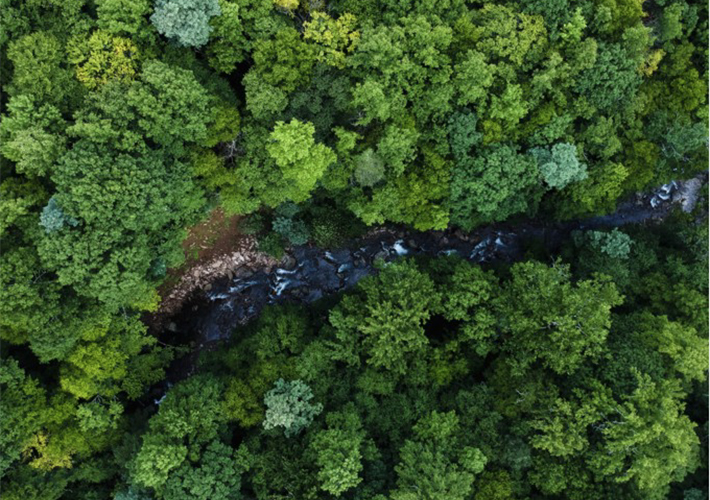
(213, 249)
(218, 235)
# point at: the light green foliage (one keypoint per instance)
(336, 38)
(102, 58)
(17, 199)
(508, 108)
(185, 21)
(188, 418)
(301, 161)
(288, 406)
(375, 104)
(596, 194)
(30, 135)
(553, 320)
(397, 147)
(96, 416)
(616, 244)
(680, 344)
(112, 358)
(507, 36)
(284, 61)
(31, 302)
(369, 168)
(654, 442)
(264, 99)
(337, 451)
(559, 165)
(473, 78)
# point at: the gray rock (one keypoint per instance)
(243, 272)
(288, 262)
(382, 254)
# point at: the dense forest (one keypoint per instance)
(578, 375)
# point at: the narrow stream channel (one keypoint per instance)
(308, 273)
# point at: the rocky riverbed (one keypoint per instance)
(308, 273)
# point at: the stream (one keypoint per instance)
(307, 273)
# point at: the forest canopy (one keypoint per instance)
(123, 123)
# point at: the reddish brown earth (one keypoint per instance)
(213, 248)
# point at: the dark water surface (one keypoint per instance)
(308, 273)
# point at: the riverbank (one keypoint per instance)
(232, 289)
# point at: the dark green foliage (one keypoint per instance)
(123, 122)
(492, 186)
(272, 244)
(441, 380)
(295, 231)
(217, 477)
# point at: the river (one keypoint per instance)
(308, 273)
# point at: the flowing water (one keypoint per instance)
(308, 273)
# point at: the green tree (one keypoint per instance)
(612, 80)
(653, 443)
(385, 320)
(337, 452)
(552, 320)
(559, 165)
(217, 477)
(32, 136)
(493, 185)
(127, 209)
(615, 243)
(189, 417)
(300, 160)
(433, 465)
(24, 411)
(185, 21)
(102, 58)
(40, 70)
(288, 405)
(336, 38)
(123, 16)
(369, 168)
(228, 41)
